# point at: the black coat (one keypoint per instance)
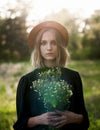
(28, 105)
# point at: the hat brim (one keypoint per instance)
(48, 24)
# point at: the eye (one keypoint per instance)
(43, 43)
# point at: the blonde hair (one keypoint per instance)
(63, 54)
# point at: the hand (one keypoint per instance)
(43, 119)
(66, 117)
(56, 119)
(46, 118)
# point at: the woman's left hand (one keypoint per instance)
(66, 117)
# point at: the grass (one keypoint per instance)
(10, 74)
(90, 73)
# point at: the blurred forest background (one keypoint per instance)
(84, 47)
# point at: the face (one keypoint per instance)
(48, 47)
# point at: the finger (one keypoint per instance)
(51, 113)
(59, 124)
(52, 122)
(58, 119)
(59, 112)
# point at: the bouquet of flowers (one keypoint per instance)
(53, 91)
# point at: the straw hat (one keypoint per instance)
(46, 24)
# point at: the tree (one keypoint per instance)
(13, 39)
(13, 35)
(91, 39)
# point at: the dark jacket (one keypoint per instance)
(28, 105)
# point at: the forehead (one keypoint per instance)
(51, 34)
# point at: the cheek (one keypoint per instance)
(41, 50)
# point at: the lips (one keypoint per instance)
(49, 53)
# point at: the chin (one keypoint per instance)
(50, 58)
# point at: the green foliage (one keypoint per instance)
(13, 39)
(2, 90)
(88, 52)
(13, 36)
(7, 120)
(89, 71)
(90, 74)
(91, 38)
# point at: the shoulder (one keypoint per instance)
(73, 74)
(70, 71)
(30, 76)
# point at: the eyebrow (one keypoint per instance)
(46, 40)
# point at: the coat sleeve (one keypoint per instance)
(80, 103)
(21, 106)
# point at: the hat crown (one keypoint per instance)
(48, 24)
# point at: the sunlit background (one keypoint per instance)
(80, 17)
(38, 9)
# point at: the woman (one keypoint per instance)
(51, 96)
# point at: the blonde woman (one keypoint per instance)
(51, 96)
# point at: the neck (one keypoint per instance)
(50, 63)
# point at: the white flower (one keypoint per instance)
(53, 91)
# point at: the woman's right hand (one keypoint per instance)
(46, 118)
(43, 119)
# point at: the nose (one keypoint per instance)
(49, 46)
